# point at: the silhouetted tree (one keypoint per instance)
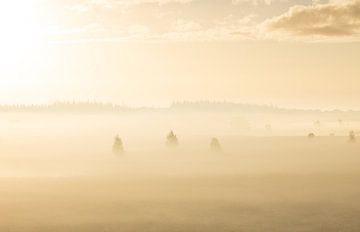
(352, 137)
(340, 121)
(215, 145)
(268, 127)
(171, 139)
(118, 147)
(311, 135)
(317, 123)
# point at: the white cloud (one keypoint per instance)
(182, 25)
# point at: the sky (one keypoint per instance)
(290, 53)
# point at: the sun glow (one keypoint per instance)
(20, 46)
(19, 29)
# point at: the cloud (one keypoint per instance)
(229, 28)
(110, 3)
(337, 19)
(257, 2)
(113, 20)
(182, 25)
(106, 20)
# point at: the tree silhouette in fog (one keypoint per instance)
(311, 135)
(268, 127)
(317, 123)
(118, 146)
(215, 145)
(340, 121)
(171, 139)
(352, 137)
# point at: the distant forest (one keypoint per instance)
(185, 106)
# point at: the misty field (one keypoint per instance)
(59, 174)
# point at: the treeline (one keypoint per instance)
(67, 107)
(195, 106)
(251, 108)
(224, 106)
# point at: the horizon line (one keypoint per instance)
(169, 106)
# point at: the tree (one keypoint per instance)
(268, 127)
(317, 123)
(340, 121)
(352, 137)
(171, 139)
(215, 145)
(118, 147)
(311, 135)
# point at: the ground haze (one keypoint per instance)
(58, 173)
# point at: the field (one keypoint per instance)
(59, 174)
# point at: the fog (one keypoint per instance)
(59, 173)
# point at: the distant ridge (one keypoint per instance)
(245, 107)
(191, 106)
(66, 106)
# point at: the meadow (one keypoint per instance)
(58, 173)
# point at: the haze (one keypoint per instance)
(179, 115)
(144, 53)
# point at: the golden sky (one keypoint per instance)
(293, 53)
